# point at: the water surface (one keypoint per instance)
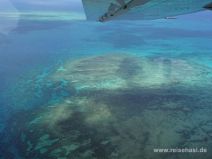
(117, 90)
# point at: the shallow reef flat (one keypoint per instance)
(116, 71)
(123, 107)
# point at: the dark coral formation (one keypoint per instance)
(122, 108)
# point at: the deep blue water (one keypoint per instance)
(32, 52)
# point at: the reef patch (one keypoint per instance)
(123, 107)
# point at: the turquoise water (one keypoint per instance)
(117, 90)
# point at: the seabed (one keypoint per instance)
(116, 106)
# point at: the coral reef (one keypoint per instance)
(116, 71)
(123, 108)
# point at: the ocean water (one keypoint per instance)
(74, 89)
